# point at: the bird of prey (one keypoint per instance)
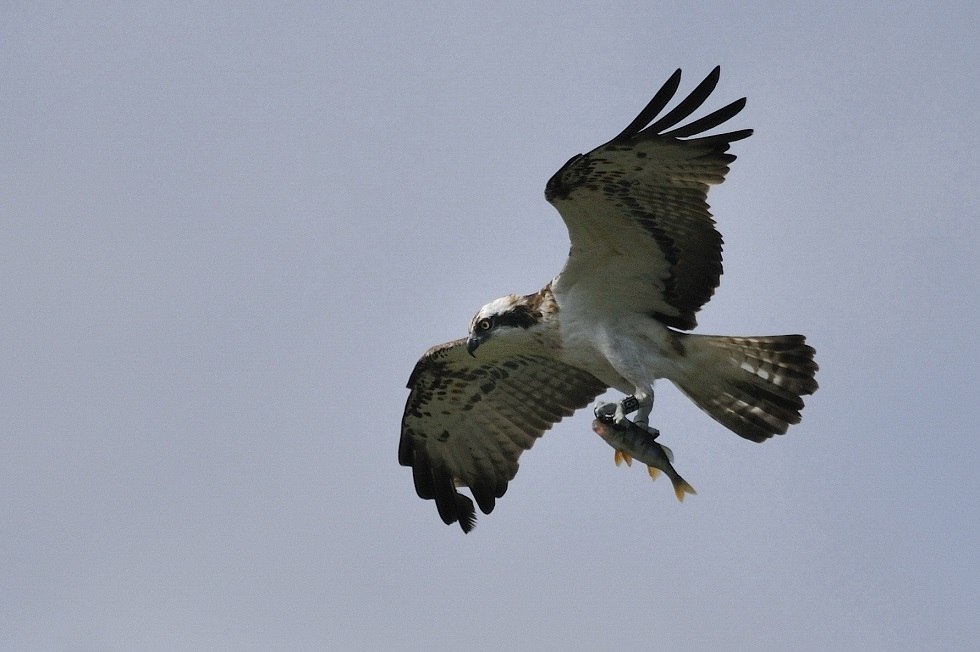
(644, 257)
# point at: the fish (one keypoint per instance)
(636, 442)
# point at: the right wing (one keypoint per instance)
(467, 420)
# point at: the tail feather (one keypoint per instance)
(751, 385)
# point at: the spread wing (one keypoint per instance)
(468, 419)
(637, 213)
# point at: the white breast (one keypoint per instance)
(625, 350)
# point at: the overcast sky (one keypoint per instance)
(228, 230)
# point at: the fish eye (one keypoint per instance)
(484, 324)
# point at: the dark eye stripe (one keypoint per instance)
(520, 316)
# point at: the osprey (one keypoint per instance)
(645, 256)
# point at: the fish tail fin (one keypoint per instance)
(751, 385)
(681, 487)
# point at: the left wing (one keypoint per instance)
(468, 419)
(637, 213)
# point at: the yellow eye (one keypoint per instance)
(483, 325)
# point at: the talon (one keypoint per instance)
(619, 416)
(604, 412)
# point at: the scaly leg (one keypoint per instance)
(644, 408)
(617, 410)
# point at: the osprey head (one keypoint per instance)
(501, 316)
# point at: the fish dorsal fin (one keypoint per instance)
(669, 453)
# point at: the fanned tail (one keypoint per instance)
(751, 385)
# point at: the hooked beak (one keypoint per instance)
(472, 342)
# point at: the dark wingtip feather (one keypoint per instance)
(689, 104)
(483, 491)
(422, 476)
(452, 506)
(465, 513)
(653, 107)
(642, 125)
(709, 121)
(406, 450)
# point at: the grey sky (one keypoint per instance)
(228, 232)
